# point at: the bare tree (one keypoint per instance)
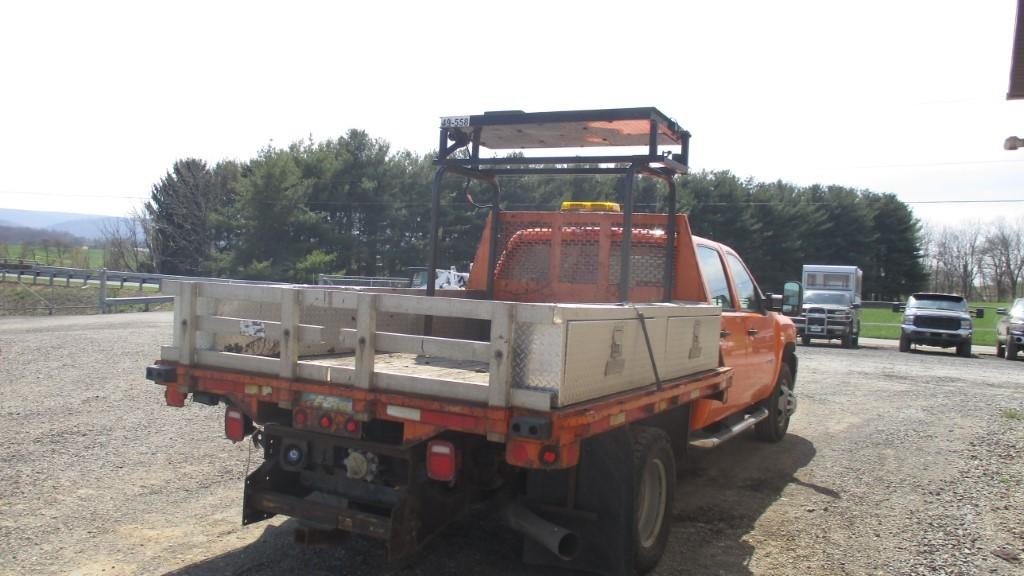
(1004, 256)
(126, 243)
(957, 253)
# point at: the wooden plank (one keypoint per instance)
(536, 313)
(342, 375)
(185, 323)
(313, 371)
(247, 292)
(366, 326)
(431, 346)
(290, 311)
(308, 333)
(502, 325)
(436, 306)
(240, 362)
(348, 338)
(433, 387)
(329, 298)
(169, 353)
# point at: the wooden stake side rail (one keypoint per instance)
(424, 417)
(195, 312)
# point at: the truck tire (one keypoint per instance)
(1011, 348)
(654, 468)
(847, 340)
(855, 343)
(774, 427)
(805, 339)
(904, 344)
(1000, 349)
(964, 349)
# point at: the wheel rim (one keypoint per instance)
(653, 489)
(785, 406)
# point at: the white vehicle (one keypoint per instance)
(831, 309)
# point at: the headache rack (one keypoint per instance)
(459, 152)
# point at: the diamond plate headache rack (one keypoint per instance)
(517, 130)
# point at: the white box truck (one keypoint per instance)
(831, 309)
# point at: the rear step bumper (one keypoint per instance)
(743, 425)
(321, 513)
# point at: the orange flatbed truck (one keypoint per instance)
(591, 348)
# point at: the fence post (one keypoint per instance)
(102, 304)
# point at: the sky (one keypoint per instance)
(98, 99)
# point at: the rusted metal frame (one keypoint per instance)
(625, 244)
(569, 425)
(572, 425)
(670, 229)
(435, 223)
(349, 520)
(538, 160)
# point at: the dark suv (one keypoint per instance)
(1010, 332)
(937, 320)
(829, 315)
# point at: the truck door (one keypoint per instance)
(734, 342)
(759, 330)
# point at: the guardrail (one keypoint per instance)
(363, 281)
(21, 269)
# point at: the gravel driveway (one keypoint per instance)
(895, 464)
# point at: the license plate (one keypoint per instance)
(817, 328)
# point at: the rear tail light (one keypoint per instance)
(351, 426)
(441, 461)
(234, 424)
(549, 455)
(299, 417)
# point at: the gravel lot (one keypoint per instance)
(895, 464)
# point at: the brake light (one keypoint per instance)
(325, 422)
(549, 455)
(351, 426)
(299, 417)
(234, 424)
(441, 461)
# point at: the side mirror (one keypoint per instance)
(773, 301)
(792, 298)
(979, 313)
(1001, 311)
(855, 305)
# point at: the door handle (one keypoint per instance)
(724, 334)
(752, 332)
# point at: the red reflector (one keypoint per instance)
(351, 426)
(299, 417)
(441, 460)
(548, 455)
(325, 421)
(234, 424)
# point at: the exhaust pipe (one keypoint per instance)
(561, 542)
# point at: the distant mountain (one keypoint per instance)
(86, 226)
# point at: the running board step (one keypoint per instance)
(743, 425)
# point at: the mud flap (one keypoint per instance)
(599, 510)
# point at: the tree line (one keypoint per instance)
(354, 206)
